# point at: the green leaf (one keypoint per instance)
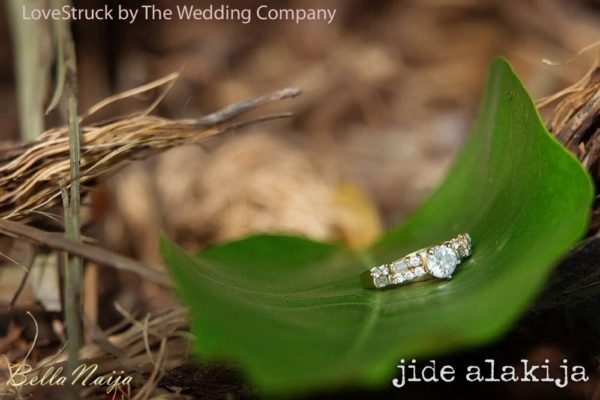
(291, 313)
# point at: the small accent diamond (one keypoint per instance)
(408, 275)
(379, 271)
(398, 266)
(380, 281)
(419, 271)
(396, 279)
(467, 240)
(465, 245)
(414, 261)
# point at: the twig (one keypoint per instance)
(264, 118)
(96, 254)
(24, 280)
(237, 109)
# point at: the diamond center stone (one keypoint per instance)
(442, 261)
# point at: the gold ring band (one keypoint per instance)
(437, 261)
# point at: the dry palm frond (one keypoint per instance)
(575, 119)
(31, 173)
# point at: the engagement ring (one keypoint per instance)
(437, 261)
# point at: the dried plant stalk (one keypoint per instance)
(30, 173)
(575, 120)
(135, 349)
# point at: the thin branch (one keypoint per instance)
(237, 109)
(24, 280)
(96, 254)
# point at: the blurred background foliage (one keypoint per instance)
(389, 91)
